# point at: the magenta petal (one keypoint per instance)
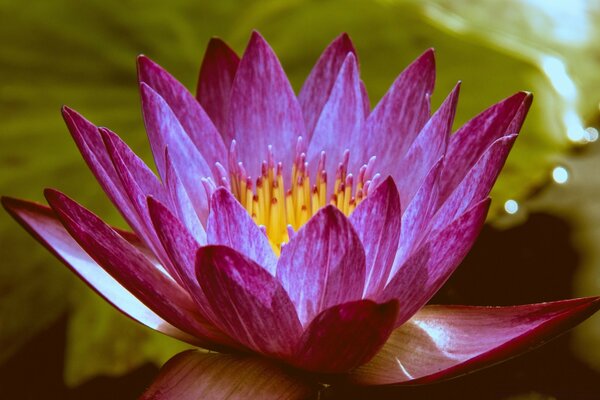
(194, 375)
(264, 110)
(323, 264)
(426, 150)
(89, 141)
(477, 183)
(218, 70)
(445, 341)
(341, 122)
(230, 225)
(41, 222)
(127, 265)
(345, 336)
(402, 112)
(468, 144)
(426, 270)
(164, 130)
(182, 204)
(417, 216)
(190, 114)
(252, 306)
(377, 223)
(320, 81)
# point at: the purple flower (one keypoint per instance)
(307, 229)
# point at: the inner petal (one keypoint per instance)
(281, 206)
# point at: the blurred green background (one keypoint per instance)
(82, 53)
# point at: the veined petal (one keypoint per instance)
(426, 150)
(194, 375)
(377, 223)
(182, 203)
(323, 264)
(264, 110)
(138, 182)
(89, 141)
(421, 276)
(251, 304)
(317, 87)
(417, 216)
(340, 125)
(230, 225)
(393, 125)
(217, 73)
(345, 336)
(186, 108)
(468, 144)
(127, 265)
(41, 222)
(445, 341)
(181, 248)
(164, 130)
(477, 183)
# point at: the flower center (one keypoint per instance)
(283, 207)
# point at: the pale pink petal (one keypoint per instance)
(264, 110)
(395, 122)
(186, 108)
(194, 375)
(440, 342)
(218, 70)
(468, 144)
(323, 264)
(428, 268)
(251, 304)
(345, 336)
(41, 222)
(377, 223)
(164, 130)
(317, 88)
(230, 225)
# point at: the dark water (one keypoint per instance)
(505, 267)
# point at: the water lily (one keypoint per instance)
(308, 229)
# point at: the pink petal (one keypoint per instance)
(345, 336)
(182, 203)
(477, 183)
(377, 223)
(401, 114)
(426, 150)
(252, 306)
(188, 111)
(41, 222)
(340, 124)
(417, 216)
(89, 141)
(138, 182)
(181, 248)
(445, 341)
(218, 70)
(323, 264)
(472, 139)
(127, 265)
(194, 375)
(264, 110)
(421, 276)
(230, 225)
(164, 130)
(317, 88)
